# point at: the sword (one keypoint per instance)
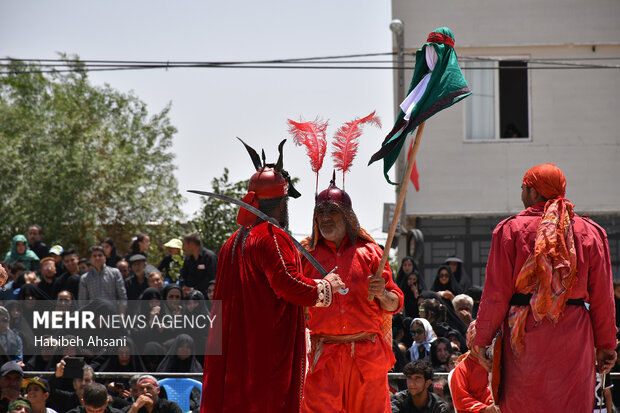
(273, 222)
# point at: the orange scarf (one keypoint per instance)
(549, 273)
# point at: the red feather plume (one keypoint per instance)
(311, 135)
(345, 142)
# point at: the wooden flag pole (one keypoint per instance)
(399, 204)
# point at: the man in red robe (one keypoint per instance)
(351, 340)
(543, 265)
(259, 297)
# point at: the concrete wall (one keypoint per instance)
(574, 113)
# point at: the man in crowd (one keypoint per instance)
(136, 283)
(20, 405)
(48, 277)
(544, 263)
(262, 293)
(94, 400)
(417, 398)
(11, 375)
(148, 400)
(37, 392)
(351, 350)
(35, 234)
(123, 267)
(464, 307)
(63, 400)
(199, 266)
(70, 279)
(101, 281)
(56, 253)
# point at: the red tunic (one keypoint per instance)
(350, 376)
(556, 370)
(469, 386)
(262, 293)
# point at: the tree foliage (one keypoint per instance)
(80, 159)
(217, 219)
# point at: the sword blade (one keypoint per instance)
(272, 221)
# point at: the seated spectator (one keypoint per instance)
(464, 306)
(20, 252)
(84, 265)
(21, 327)
(136, 283)
(20, 405)
(196, 305)
(149, 306)
(111, 255)
(126, 359)
(56, 253)
(475, 293)
(48, 277)
(181, 357)
(407, 267)
(445, 284)
(11, 375)
(148, 399)
(155, 280)
(11, 286)
(171, 264)
(42, 358)
(172, 295)
(94, 400)
(37, 392)
(440, 354)
(423, 335)
(459, 273)
(65, 400)
(411, 285)
(152, 355)
(417, 397)
(123, 267)
(469, 383)
(441, 314)
(11, 346)
(453, 361)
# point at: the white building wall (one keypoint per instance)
(574, 113)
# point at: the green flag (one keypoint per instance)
(437, 83)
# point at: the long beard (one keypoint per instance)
(283, 218)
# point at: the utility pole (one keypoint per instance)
(398, 28)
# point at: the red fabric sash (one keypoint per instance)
(435, 37)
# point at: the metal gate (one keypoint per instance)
(470, 240)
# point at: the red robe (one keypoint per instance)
(350, 377)
(262, 293)
(469, 386)
(556, 370)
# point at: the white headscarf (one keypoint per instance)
(430, 337)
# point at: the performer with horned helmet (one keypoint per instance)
(544, 264)
(351, 342)
(259, 297)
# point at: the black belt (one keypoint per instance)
(524, 299)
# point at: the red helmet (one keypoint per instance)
(270, 181)
(333, 194)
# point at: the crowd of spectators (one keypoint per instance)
(181, 284)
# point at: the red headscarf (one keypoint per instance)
(547, 179)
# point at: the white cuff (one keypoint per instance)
(324, 289)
